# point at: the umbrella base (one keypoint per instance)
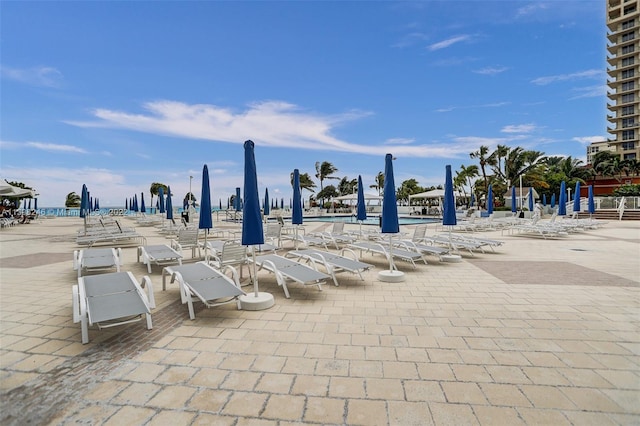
(451, 258)
(391, 276)
(249, 302)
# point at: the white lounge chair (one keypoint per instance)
(205, 283)
(187, 239)
(160, 255)
(96, 259)
(333, 262)
(337, 234)
(417, 243)
(397, 252)
(290, 270)
(111, 299)
(109, 233)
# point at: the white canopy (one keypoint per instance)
(434, 193)
(354, 197)
(8, 190)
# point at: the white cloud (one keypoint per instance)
(55, 147)
(37, 76)
(410, 40)
(530, 9)
(448, 42)
(589, 92)
(588, 74)
(399, 141)
(586, 140)
(276, 124)
(518, 128)
(491, 70)
(489, 105)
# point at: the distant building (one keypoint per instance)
(596, 147)
(623, 77)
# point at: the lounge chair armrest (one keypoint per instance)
(76, 260)
(234, 274)
(148, 285)
(75, 294)
(119, 256)
(351, 253)
(279, 277)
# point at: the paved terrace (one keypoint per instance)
(540, 332)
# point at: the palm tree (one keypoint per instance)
(379, 185)
(481, 155)
(606, 163)
(324, 171)
(73, 200)
(464, 176)
(408, 187)
(495, 159)
(155, 190)
(347, 186)
(305, 182)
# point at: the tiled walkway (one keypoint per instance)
(541, 332)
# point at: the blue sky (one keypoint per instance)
(118, 95)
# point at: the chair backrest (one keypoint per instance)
(338, 228)
(273, 230)
(419, 232)
(280, 220)
(233, 253)
(188, 237)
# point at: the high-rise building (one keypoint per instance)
(623, 24)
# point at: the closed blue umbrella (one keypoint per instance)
(514, 205)
(84, 201)
(205, 221)
(296, 215)
(553, 200)
(136, 208)
(472, 201)
(281, 203)
(266, 202)
(576, 198)
(237, 203)
(97, 204)
(169, 204)
(591, 206)
(562, 201)
(390, 223)
(490, 200)
(361, 213)
(35, 204)
(142, 208)
(530, 199)
(29, 204)
(220, 203)
(161, 200)
(252, 232)
(449, 207)
(544, 200)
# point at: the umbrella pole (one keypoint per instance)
(255, 274)
(391, 265)
(296, 237)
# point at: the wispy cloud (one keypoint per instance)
(410, 39)
(586, 140)
(589, 92)
(518, 128)
(36, 76)
(275, 124)
(489, 105)
(399, 141)
(448, 42)
(530, 9)
(491, 70)
(52, 147)
(588, 74)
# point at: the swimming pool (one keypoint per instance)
(372, 220)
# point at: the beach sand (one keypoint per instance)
(539, 332)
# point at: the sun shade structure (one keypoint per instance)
(296, 215)
(252, 231)
(266, 202)
(530, 199)
(553, 200)
(449, 207)
(161, 200)
(591, 206)
(142, 207)
(514, 205)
